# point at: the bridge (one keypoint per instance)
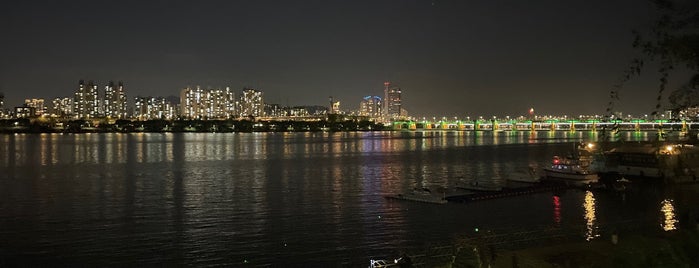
(550, 125)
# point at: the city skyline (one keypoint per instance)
(88, 101)
(454, 58)
(111, 101)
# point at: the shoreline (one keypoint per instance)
(183, 126)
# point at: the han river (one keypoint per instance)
(286, 199)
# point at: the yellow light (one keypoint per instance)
(590, 217)
(590, 145)
(668, 211)
(669, 148)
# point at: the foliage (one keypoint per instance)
(673, 41)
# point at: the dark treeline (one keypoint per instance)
(83, 126)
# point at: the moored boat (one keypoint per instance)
(571, 170)
(650, 161)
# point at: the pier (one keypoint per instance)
(506, 192)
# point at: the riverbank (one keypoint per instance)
(43, 125)
(670, 249)
(675, 249)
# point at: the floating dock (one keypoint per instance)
(506, 192)
(418, 198)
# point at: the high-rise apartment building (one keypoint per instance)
(191, 103)
(62, 107)
(37, 105)
(207, 103)
(148, 108)
(222, 103)
(392, 101)
(86, 101)
(251, 103)
(371, 106)
(115, 100)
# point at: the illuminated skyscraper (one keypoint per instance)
(115, 100)
(251, 103)
(222, 104)
(190, 103)
(207, 103)
(371, 106)
(392, 101)
(86, 101)
(148, 108)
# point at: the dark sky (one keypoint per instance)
(451, 58)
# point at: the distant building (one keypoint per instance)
(2, 105)
(37, 105)
(371, 106)
(275, 110)
(149, 108)
(392, 101)
(190, 103)
(62, 107)
(251, 103)
(689, 113)
(201, 103)
(334, 107)
(115, 101)
(24, 112)
(298, 111)
(403, 113)
(222, 104)
(86, 101)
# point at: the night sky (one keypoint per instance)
(451, 58)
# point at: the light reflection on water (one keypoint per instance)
(556, 210)
(268, 198)
(669, 220)
(589, 204)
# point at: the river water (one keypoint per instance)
(281, 199)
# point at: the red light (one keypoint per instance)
(556, 209)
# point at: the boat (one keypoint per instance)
(620, 185)
(420, 195)
(668, 162)
(573, 169)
